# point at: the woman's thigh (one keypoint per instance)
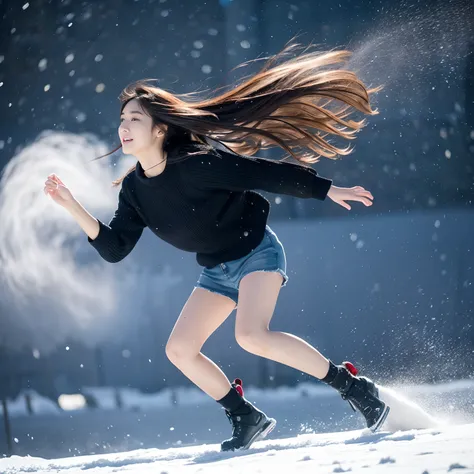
(202, 314)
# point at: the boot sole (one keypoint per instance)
(381, 420)
(266, 429)
(375, 391)
(385, 412)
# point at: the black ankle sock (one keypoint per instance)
(331, 375)
(233, 402)
(339, 377)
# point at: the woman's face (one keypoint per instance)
(136, 130)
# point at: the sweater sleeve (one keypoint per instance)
(240, 173)
(117, 239)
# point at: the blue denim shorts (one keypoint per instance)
(268, 256)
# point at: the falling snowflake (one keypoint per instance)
(43, 64)
(81, 117)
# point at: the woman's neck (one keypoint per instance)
(153, 163)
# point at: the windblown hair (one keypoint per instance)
(292, 103)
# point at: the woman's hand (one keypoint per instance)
(62, 196)
(357, 193)
(55, 188)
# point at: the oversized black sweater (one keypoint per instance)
(206, 204)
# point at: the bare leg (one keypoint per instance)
(202, 314)
(257, 298)
(258, 294)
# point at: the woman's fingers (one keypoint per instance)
(50, 182)
(362, 199)
(50, 187)
(58, 179)
(354, 197)
(55, 178)
(344, 204)
(356, 193)
(49, 190)
(362, 196)
(360, 191)
(366, 193)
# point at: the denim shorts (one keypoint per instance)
(225, 278)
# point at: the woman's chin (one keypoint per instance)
(127, 150)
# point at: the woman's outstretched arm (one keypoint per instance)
(113, 241)
(239, 173)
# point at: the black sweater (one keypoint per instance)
(205, 204)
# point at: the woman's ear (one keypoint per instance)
(160, 130)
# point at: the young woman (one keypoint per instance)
(194, 187)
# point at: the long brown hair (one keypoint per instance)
(290, 103)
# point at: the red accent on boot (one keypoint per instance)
(238, 386)
(351, 368)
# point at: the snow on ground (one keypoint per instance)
(430, 430)
(430, 451)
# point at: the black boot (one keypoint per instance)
(249, 424)
(360, 392)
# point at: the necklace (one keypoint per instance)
(154, 166)
(159, 163)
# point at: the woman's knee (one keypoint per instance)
(252, 340)
(178, 350)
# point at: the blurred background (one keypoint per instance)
(388, 287)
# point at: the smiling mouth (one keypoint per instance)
(128, 140)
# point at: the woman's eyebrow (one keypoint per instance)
(132, 112)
